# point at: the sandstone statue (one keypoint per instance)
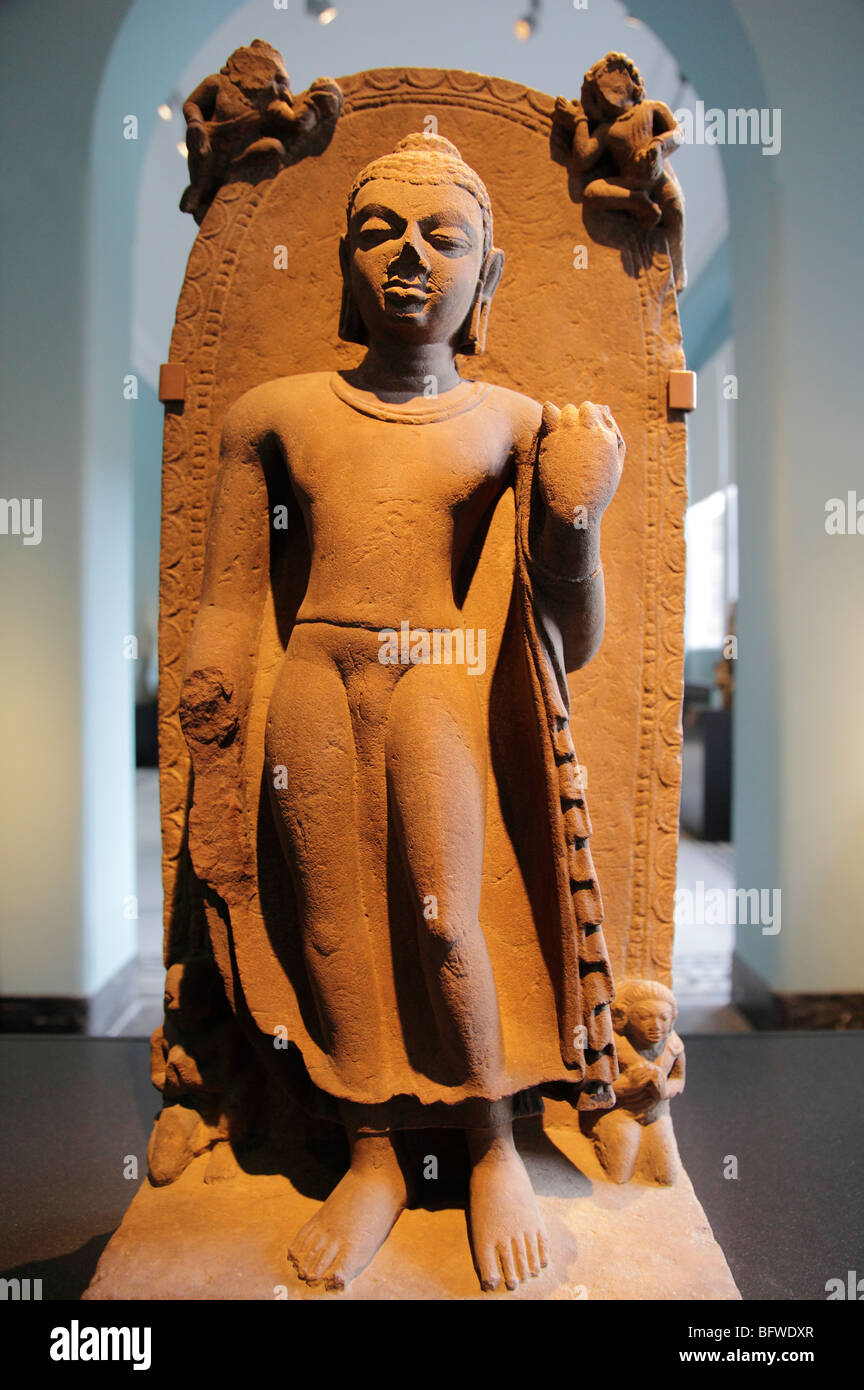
(388, 684)
(394, 484)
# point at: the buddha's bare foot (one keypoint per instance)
(507, 1232)
(342, 1237)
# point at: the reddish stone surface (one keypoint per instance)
(389, 861)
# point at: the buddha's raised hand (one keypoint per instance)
(579, 463)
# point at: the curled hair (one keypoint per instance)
(421, 158)
(632, 992)
(604, 65)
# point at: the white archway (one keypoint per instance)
(68, 829)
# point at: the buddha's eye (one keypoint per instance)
(374, 231)
(451, 240)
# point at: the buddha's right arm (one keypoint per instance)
(220, 656)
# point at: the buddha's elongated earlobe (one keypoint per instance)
(352, 329)
(473, 336)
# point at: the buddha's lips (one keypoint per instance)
(407, 292)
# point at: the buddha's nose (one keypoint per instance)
(410, 255)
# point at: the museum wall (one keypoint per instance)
(68, 813)
(68, 757)
(43, 386)
(805, 386)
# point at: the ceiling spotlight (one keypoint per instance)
(320, 10)
(525, 27)
(167, 110)
(182, 149)
(633, 21)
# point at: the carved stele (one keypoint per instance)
(578, 316)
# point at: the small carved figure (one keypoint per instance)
(651, 1066)
(247, 108)
(194, 1061)
(625, 139)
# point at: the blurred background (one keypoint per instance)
(94, 257)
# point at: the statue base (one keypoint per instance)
(228, 1240)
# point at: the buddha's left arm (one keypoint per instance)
(579, 461)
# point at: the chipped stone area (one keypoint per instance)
(228, 1240)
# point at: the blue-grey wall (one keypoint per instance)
(69, 212)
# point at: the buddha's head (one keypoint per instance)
(418, 264)
(644, 1011)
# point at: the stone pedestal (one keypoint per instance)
(227, 1240)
